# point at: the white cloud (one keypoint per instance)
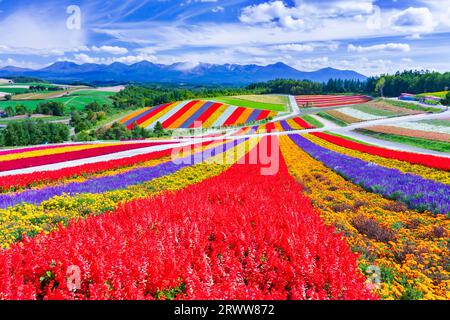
(295, 47)
(393, 47)
(272, 12)
(218, 9)
(414, 20)
(130, 59)
(28, 31)
(110, 49)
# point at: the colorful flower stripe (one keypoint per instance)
(179, 113)
(188, 113)
(72, 155)
(404, 166)
(213, 118)
(408, 247)
(285, 126)
(234, 117)
(294, 125)
(50, 146)
(358, 114)
(56, 150)
(148, 115)
(422, 159)
(278, 249)
(416, 192)
(254, 115)
(409, 133)
(224, 116)
(263, 115)
(330, 100)
(107, 183)
(243, 118)
(17, 182)
(423, 126)
(133, 114)
(196, 115)
(203, 118)
(163, 115)
(32, 219)
(302, 123)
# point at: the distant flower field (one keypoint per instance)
(188, 114)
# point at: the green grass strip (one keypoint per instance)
(332, 119)
(312, 121)
(410, 106)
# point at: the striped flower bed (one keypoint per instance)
(188, 114)
(418, 193)
(320, 101)
(410, 133)
(422, 159)
(72, 155)
(423, 126)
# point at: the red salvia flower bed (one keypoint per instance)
(239, 235)
(416, 158)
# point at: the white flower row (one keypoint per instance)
(359, 114)
(423, 127)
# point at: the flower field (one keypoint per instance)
(413, 133)
(337, 220)
(321, 101)
(187, 114)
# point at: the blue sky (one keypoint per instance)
(368, 36)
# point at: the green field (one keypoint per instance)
(14, 90)
(51, 118)
(434, 145)
(437, 122)
(27, 84)
(408, 105)
(374, 111)
(332, 119)
(75, 100)
(250, 102)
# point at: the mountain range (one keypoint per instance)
(202, 73)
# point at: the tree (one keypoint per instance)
(8, 97)
(20, 109)
(379, 87)
(139, 132)
(10, 112)
(158, 129)
(51, 108)
(446, 100)
(116, 132)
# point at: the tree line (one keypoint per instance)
(410, 81)
(300, 87)
(31, 132)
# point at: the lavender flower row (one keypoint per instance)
(113, 182)
(418, 193)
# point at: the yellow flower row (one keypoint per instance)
(409, 249)
(404, 166)
(31, 219)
